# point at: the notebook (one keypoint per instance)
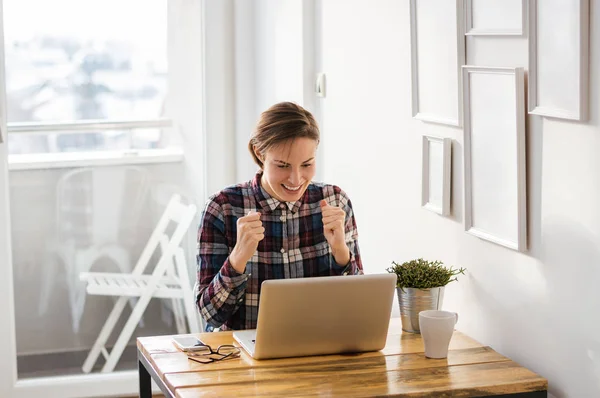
(321, 315)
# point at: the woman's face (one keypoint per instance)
(288, 168)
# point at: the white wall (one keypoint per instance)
(269, 63)
(278, 52)
(246, 109)
(539, 308)
(219, 107)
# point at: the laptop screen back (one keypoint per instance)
(324, 315)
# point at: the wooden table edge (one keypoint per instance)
(537, 387)
(175, 388)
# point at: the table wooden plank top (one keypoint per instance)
(400, 369)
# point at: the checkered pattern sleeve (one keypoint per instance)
(219, 287)
(354, 267)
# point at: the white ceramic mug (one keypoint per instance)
(436, 330)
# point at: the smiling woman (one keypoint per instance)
(284, 145)
(279, 225)
(287, 180)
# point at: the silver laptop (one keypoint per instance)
(321, 315)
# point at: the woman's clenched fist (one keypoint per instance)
(250, 231)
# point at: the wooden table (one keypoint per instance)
(400, 369)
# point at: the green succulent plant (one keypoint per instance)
(423, 274)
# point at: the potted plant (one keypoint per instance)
(420, 287)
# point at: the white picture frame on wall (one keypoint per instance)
(495, 17)
(494, 155)
(437, 44)
(435, 189)
(558, 69)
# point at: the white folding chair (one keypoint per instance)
(91, 225)
(169, 279)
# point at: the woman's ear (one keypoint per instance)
(258, 155)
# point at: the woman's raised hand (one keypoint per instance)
(334, 231)
(250, 231)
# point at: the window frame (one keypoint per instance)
(186, 106)
(52, 160)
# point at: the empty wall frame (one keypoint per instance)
(494, 150)
(436, 174)
(558, 58)
(495, 17)
(437, 55)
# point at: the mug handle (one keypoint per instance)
(455, 322)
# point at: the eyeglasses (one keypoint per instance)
(206, 354)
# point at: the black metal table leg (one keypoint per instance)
(145, 381)
(146, 374)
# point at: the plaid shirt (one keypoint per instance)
(294, 247)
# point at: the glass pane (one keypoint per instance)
(69, 60)
(93, 219)
(82, 59)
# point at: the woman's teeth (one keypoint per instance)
(291, 188)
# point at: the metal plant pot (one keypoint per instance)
(412, 301)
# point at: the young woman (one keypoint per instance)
(280, 224)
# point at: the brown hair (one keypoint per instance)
(281, 122)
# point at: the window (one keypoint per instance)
(85, 77)
(92, 83)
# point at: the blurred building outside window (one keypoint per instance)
(86, 76)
